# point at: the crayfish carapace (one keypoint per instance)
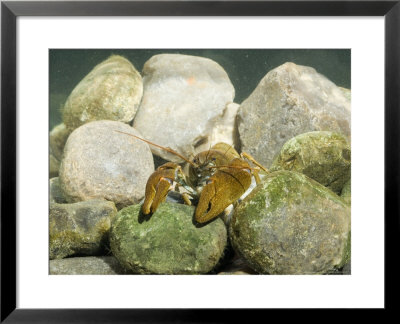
(216, 179)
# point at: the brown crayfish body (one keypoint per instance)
(216, 179)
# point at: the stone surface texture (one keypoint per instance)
(100, 162)
(290, 224)
(99, 265)
(80, 228)
(290, 100)
(346, 192)
(322, 156)
(166, 242)
(55, 193)
(58, 137)
(185, 98)
(346, 92)
(111, 91)
(54, 166)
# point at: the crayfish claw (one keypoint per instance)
(205, 211)
(157, 189)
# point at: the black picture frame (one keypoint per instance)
(10, 10)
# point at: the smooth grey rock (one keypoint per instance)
(290, 224)
(225, 130)
(55, 192)
(111, 91)
(290, 100)
(100, 162)
(80, 228)
(100, 265)
(185, 99)
(322, 156)
(166, 242)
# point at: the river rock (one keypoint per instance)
(322, 156)
(99, 265)
(55, 193)
(56, 104)
(166, 242)
(290, 100)
(54, 166)
(101, 163)
(225, 130)
(80, 228)
(111, 91)
(346, 192)
(58, 137)
(346, 270)
(185, 98)
(290, 224)
(346, 92)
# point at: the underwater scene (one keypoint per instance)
(200, 161)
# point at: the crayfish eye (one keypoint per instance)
(213, 159)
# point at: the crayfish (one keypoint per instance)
(216, 179)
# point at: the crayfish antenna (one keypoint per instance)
(168, 149)
(250, 158)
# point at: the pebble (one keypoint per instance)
(322, 156)
(291, 224)
(111, 91)
(167, 242)
(290, 100)
(101, 163)
(186, 105)
(80, 228)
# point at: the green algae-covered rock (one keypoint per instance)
(81, 228)
(345, 265)
(322, 156)
(166, 242)
(111, 91)
(55, 193)
(290, 224)
(54, 166)
(346, 192)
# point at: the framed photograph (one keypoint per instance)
(60, 62)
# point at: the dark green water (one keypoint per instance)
(245, 67)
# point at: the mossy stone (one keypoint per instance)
(81, 228)
(167, 242)
(346, 192)
(290, 224)
(54, 166)
(111, 91)
(55, 193)
(322, 156)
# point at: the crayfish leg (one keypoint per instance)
(186, 199)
